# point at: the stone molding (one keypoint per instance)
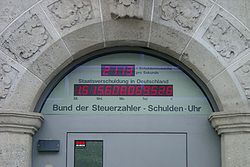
(20, 122)
(230, 122)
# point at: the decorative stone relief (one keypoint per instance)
(184, 12)
(127, 8)
(27, 39)
(7, 77)
(228, 41)
(243, 74)
(68, 13)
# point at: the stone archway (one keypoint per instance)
(51, 34)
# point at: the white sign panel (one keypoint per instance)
(127, 83)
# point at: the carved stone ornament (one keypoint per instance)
(184, 12)
(228, 41)
(243, 75)
(68, 13)
(27, 39)
(127, 9)
(7, 77)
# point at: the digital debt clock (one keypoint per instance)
(127, 83)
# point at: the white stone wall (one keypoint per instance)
(39, 38)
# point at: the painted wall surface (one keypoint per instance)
(39, 38)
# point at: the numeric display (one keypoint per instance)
(118, 70)
(122, 90)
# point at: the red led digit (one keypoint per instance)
(154, 90)
(116, 70)
(131, 90)
(115, 90)
(123, 70)
(161, 90)
(100, 90)
(106, 71)
(108, 90)
(146, 90)
(129, 71)
(123, 90)
(169, 90)
(138, 90)
(94, 90)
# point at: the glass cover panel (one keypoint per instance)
(127, 83)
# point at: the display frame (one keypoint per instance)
(125, 49)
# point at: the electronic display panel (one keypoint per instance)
(118, 70)
(127, 83)
(122, 90)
